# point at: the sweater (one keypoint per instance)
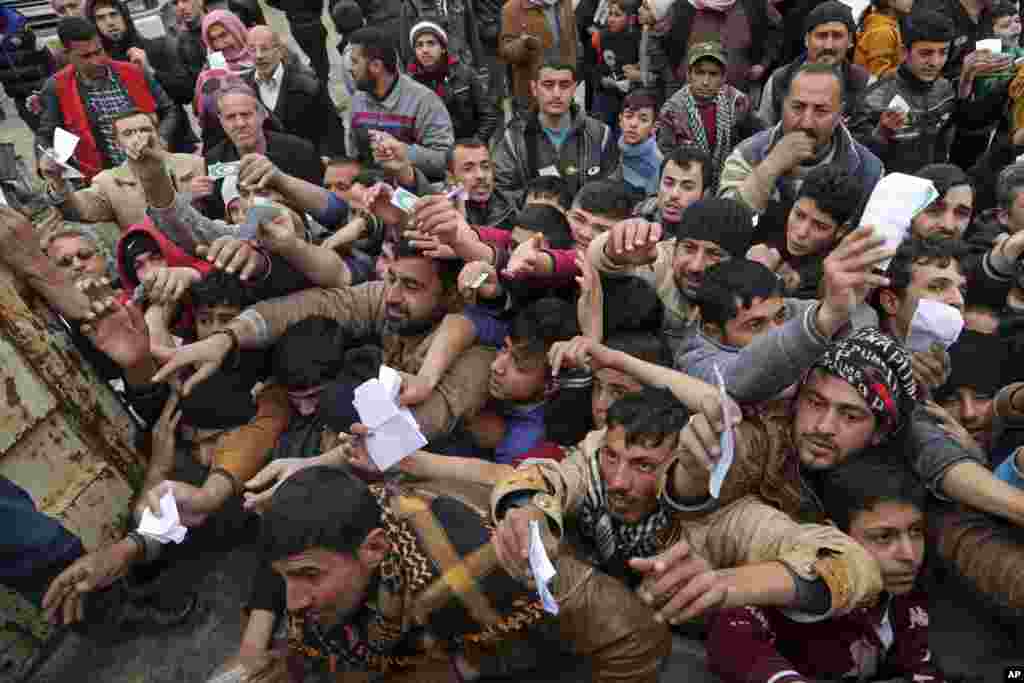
(410, 112)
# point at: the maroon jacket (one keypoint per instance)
(755, 645)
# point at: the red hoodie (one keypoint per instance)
(175, 257)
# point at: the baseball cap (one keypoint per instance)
(707, 50)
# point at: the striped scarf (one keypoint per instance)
(724, 121)
(615, 542)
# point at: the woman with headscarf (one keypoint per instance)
(223, 34)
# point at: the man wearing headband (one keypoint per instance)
(710, 231)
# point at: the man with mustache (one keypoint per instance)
(829, 34)
(471, 165)
(673, 255)
(773, 163)
(906, 141)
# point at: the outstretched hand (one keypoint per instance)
(117, 330)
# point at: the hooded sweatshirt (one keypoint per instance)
(171, 252)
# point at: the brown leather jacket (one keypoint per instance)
(519, 19)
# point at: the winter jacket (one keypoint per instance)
(115, 195)
(63, 107)
(926, 136)
(857, 159)
(879, 44)
(24, 63)
(520, 18)
(412, 113)
(499, 212)
(525, 151)
(736, 532)
(855, 81)
(304, 108)
(884, 641)
(473, 111)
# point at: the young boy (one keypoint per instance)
(880, 504)
(617, 47)
(640, 164)
(548, 189)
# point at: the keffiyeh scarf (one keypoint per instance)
(611, 539)
(878, 367)
(724, 121)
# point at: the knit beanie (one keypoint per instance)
(978, 361)
(135, 245)
(878, 367)
(725, 222)
(828, 12)
(428, 26)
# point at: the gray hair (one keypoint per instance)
(1009, 184)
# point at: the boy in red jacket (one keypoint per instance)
(880, 504)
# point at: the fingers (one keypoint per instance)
(201, 374)
(257, 502)
(703, 594)
(264, 477)
(694, 444)
(708, 433)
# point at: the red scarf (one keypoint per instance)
(76, 119)
(433, 78)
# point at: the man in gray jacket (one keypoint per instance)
(399, 119)
(555, 140)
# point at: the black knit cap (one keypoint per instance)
(725, 222)
(831, 11)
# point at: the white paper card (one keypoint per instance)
(896, 199)
(934, 323)
(993, 45)
(727, 442)
(64, 144)
(549, 170)
(898, 104)
(167, 527)
(374, 403)
(217, 60)
(542, 569)
(394, 432)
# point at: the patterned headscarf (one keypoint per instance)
(878, 367)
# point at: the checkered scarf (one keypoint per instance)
(612, 540)
(878, 367)
(724, 121)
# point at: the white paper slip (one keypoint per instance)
(993, 45)
(217, 60)
(542, 569)
(727, 442)
(479, 281)
(64, 144)
(374, 403)
(403, 199)
(898, 104)
(223, 169)
(394, 432)
(549, 170)
(167, 527)
(894, 202)
(394, 440)
(934, 323)
(3, 198)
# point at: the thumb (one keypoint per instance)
(642, 564)
(263, 477)
(162, 353)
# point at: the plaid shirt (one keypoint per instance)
(105, 98)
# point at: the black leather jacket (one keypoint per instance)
(473, 111)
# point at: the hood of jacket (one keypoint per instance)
(131, 37)
(172, 253)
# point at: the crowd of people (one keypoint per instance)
(645, 327)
